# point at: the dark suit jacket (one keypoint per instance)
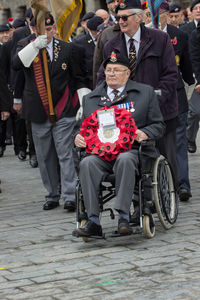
(179, 41)
(195, 53)
(66, 69)
(155, 66)
(86, 42)
(5, 98)
(188, 27)
(147, 114)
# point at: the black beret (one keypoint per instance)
(94, 22)
(19, 22)
(193, 4)
(128, 4)
(49, 21)
(116, 58)
(29, 13)
(173, 8)
(4, 27)
(88, 16)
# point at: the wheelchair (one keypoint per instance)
(154, 193)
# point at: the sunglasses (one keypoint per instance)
(124, 18)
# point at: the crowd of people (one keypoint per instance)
(90, 66)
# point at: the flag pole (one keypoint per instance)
(40, 12)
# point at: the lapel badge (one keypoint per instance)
(103, 98)
(64, 66)
(177, 57)
(113, 57)
(131, 105)
(174, 41)
(89, 41)
(122, 4)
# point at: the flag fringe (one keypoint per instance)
(63, 18)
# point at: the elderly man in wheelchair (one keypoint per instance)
(141, 101)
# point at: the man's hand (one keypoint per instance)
(5, 115)
(40, 42)
(141, 136)
(17, 107)
(197, 88)
(80, 141)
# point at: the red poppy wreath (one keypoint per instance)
(109, 150)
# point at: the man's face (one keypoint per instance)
(4, 36)
(196, 12)
(131, 25)
(174, 18)
(112, 5)
(116, 75)
(163, 18)
(50, 31)
(147, 16)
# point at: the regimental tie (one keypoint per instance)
(48, 56)
(115, 92)
(132, 59)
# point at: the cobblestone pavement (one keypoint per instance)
(39, 258)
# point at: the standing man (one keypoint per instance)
(51, 139)
(175, 15)
(88, 42)
(179, 41)
(194, 103)
(152, 61)
(195, 10)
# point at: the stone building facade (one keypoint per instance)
(16, 8)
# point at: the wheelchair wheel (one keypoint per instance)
(148, 226)
(165, 197)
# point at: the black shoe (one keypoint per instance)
(50, 205)
(2, 149)
(70, 205)
(22, 155)
(124, 227)
(135, 217)
(8, 141)
(90, 228)
(33, 161)
(192, 147)
(184, 195)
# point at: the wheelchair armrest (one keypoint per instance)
(144, 148)
(79, 152)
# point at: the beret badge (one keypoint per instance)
(113, 57)
(122, 4)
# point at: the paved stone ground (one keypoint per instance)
(39, 258)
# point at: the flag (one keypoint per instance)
(154, 6)
(66, 14)
(40, 12)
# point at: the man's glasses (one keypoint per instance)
(115, 71)
(124, 18)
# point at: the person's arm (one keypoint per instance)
(155, 126)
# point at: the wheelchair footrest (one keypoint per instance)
(74, 233)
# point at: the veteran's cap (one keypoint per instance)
(128, 4)
(116, 58)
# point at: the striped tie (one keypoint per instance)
(132, 58)
(115, 92)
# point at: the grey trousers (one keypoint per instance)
(193, 117)
(94, 169)
(53, 144)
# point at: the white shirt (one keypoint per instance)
(196, 23)
(136, 38)
(50, 49)
(93, 38)
(165, 28)
(110, 93)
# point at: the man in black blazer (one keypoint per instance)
(189, 27)
(52, 140)
(88, 42)
(179, 41)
